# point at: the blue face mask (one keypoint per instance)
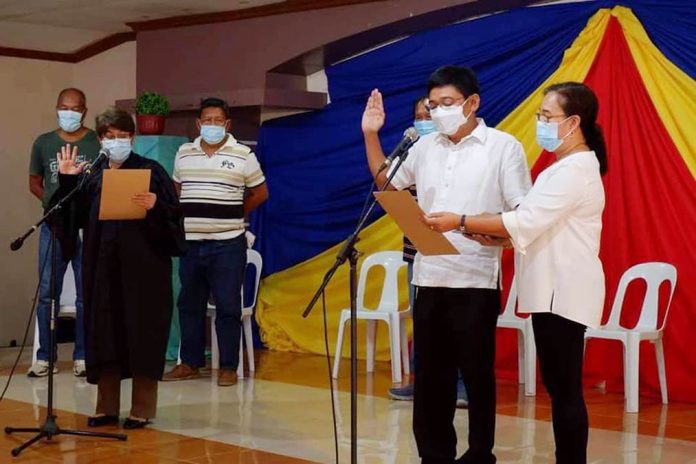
(212, 134)
(547, 135)
(69, 121)
(424, 127)
(119, 149)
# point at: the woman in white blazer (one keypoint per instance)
(556, 231)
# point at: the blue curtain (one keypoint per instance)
(671, 25)
(315, 162)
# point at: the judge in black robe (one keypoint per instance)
(127, 273)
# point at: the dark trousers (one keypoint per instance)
(217, 267)
(560, 345)
(454, 330)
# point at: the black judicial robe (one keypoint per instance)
(126, 273)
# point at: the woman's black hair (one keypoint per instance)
(578, 99)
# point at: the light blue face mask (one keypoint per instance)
(547, 135)
(69, 121)
(424, 127)
(119, 149)
(212, 134)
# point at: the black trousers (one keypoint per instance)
(560, 346)
(454, 329)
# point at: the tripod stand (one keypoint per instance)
(50, 428)
(349, 253)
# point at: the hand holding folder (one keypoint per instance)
(401, 206)
(119, 186)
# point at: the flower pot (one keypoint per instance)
(150, 124)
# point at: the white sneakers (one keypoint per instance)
(79, 369)
(40, 369)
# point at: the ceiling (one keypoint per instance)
(68, 25)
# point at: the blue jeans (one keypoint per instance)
(43, 309)
(217, 267)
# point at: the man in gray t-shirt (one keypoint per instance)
(43, 181)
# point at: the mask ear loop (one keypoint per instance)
(568, 134)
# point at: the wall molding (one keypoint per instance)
(289, 6)
(82, 54)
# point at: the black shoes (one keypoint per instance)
(132, 424)
(101, 421)
(128, 424)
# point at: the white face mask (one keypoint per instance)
(69, 121)
(119, 149)
(448, 119)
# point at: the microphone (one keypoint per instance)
(92, 167)
(401, 150)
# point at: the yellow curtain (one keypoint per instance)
(673, 92)
(284, 295)
(576, 63)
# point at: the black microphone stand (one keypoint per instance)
(349, 253)
(50, 427)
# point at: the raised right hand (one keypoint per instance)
(67, 161)
(373, 116)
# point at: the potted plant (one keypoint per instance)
(150, 110)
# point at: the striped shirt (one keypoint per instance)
(212, 188)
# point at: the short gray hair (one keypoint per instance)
(116, 118)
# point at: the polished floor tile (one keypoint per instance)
(283, 415)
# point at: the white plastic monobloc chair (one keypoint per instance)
(67, 304)
(253, 259)
(387, 310)
(654, 274)
(526, 348)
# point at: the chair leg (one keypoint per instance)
(660, 354)
(631, 363)
(370, 339)
(248, 338)
(530, 362)
(36, 340)
(405, 358)
(520, 356)
(339, 346)
(214, 343)
(240, 366)
(395, 348)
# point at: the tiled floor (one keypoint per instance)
(283, 415)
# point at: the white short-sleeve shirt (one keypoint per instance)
(486, 172)
(556, 230)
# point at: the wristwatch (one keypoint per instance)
(462, 226)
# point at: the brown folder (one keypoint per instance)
(118, 188)
(401, 206)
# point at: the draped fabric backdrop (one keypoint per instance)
(639, 56)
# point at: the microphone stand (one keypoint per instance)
(350, 254)
(50, 427)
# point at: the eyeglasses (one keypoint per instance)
(445, 103)
(546, 118)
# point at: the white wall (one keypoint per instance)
(30, 88)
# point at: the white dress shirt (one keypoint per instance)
(556, 230)
(486, 172)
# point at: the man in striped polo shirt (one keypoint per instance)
(220, 182)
